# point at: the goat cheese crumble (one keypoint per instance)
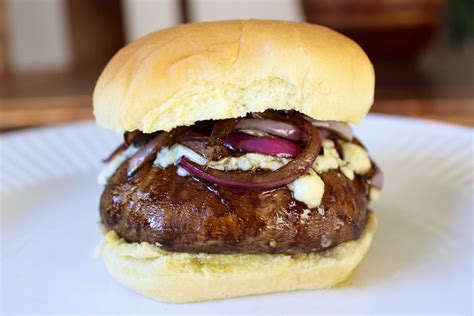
(110, 167)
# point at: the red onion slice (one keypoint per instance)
(265, 179)
(340, 128)
(147, 152)
(272, 127)
(324, 133)
(221, 130)
(376, 180)
(121, 148)
(208, 174)
(271, 146)
(137, 138)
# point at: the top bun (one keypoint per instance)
(219, 70)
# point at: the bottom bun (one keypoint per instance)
(175, 277)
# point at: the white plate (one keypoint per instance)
(421, 259)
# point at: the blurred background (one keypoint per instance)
(52, 51)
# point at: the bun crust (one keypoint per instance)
(219, 70)
(185, 277)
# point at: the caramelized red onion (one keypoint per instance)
(324, 133)
(266, 179)
(221, 130)
(202, 145)
(137, 138)
(266, 145)
(147, 152)
(272, 127)
(237, 180)
(128, 137)
(121, 148)
(376, 180)
(342, 129)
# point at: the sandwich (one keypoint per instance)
(239, 173)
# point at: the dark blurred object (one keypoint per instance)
(96, 30)
(460, 20)
(184, 6)
(385, 29)
(4, 69)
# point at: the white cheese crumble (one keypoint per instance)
(348, 172)
(356, 157)
(329, 159)
(249, 161)
(169, 156)
(182, 172)
(374, 194)
(308, 189)
(356, 160)
(109, 168)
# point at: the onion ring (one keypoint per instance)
(266, 145)
(221, 130)
(342, 129)
(272, 127)
(266, 179)
(147, 152)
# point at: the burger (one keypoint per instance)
(238, 173)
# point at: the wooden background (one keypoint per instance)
(96, 30)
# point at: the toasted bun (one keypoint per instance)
(219, 70)
(184, 277)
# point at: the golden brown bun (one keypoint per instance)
(218, 70)
(184, 277)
